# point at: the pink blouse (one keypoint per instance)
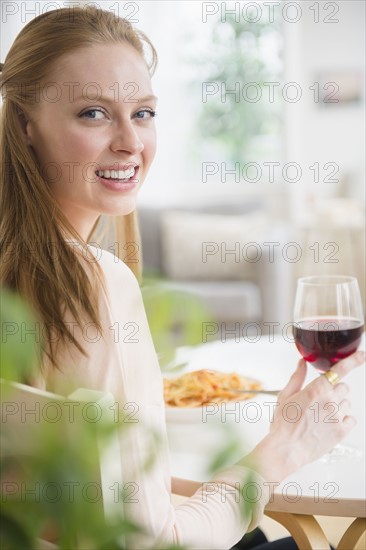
(125, 363)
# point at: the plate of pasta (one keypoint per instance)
(200, 387)
(186, 395)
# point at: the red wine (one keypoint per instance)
(324, 342)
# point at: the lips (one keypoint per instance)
(111, 178)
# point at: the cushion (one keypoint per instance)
(198, 246)
(227, 301)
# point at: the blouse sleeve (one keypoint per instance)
(124, 362)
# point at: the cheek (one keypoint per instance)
(81, 146)
(65, 158)
(69, 147)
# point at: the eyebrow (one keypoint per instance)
(112, 99)
(147, 98)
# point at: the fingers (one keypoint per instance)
(296, 381)
(346, 365)
(340, 390)
(345, 426)
(349, 422)
(343, 409)
(342, 368)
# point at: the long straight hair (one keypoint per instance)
(35, 259)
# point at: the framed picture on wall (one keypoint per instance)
(338, 87)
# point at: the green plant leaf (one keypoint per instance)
(19, 347)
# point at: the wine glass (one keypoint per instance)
(328, 319)
(328, 326)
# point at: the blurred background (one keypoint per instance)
(260, 174)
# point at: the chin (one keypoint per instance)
(122, 209)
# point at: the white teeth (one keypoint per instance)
(117, 174)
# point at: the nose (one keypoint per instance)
(126, 139)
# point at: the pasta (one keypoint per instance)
(196, 388)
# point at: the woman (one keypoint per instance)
(78, 138)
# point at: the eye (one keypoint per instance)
(93, 114)
(145, 114)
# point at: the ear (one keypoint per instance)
(24, 123)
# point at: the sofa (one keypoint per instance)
(227, 255)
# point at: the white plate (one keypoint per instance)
(233, 411)
(249, 411)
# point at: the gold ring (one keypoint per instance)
(332, 377)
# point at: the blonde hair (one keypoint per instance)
(35, 260)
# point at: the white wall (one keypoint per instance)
(313, 133)
(326, 133)
(174, 177)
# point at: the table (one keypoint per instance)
(336, 488)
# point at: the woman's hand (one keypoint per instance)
(307, 422)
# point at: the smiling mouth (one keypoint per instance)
(118, 175)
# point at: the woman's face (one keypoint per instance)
(93, 132)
